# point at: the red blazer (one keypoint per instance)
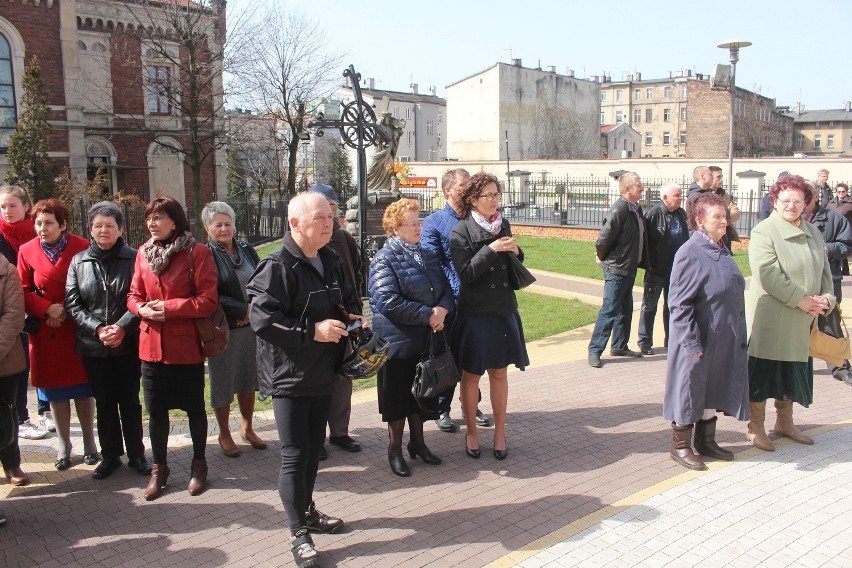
(54, 362)
(174, 341)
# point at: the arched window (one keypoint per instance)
(8, 110)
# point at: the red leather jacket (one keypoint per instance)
(174, 341)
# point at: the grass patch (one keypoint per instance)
(577, 258)
(544, 316)
(268, 248)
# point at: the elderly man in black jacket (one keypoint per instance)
(667, 231)
(620, 248)
(296, 294)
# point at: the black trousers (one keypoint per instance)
(10, 456)
(115, 384)
(301, 430)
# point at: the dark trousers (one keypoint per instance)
(301, 431)
(340, 408)
(10, 456)
(654, 285)
(174, 386)
(831, 323)
(24, 384)
(115, 384)
(615, 315)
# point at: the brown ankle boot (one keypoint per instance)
(784, 423)
(705, 441)
(756, 431)
(682, 448)
(159, 476)
(198, 481)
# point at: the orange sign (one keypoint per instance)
(420, 182)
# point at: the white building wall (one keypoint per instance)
(473, 117)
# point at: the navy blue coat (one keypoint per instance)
(402, 295)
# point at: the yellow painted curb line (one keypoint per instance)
(575, 527)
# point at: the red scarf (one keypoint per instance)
(18, 233)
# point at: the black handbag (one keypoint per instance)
(8, 423)
(519, 276)
(435, 374)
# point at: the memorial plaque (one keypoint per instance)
(374, 219)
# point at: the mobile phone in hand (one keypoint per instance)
(353, 325)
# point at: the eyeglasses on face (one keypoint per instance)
(489, 196)
(155, 218)
(793, 202)
(414, 225)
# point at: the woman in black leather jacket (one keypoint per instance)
(96, 299)
(234, 372)
(410, 298)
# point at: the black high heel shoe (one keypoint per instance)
(424, 453)
(472, 453)
(501, 454)
(398, 465)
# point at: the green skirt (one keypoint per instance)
(793, 380)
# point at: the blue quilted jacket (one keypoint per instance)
(402, 295)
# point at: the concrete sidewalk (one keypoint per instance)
(588, 482)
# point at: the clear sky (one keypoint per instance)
(800, 48)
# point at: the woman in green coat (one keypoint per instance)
(791, 285)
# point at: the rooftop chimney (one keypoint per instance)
(516, 62)
(434, 91)
(371, 83)
(630, 78)
(551, 68)
(414, 88)
(848, 106)
(569, 72)
(638, 76)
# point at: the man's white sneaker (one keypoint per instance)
(47, 422)
(29, 431)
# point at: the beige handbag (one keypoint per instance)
(832, 350)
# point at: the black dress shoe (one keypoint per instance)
(595, 360)
(445, 423)
(91, 459)
(323, 453)
(501, 454)
(398, 465)
(106, 467)
(62, 464)
(425, 454)
(647, 351)
(472, 453)
(142, 465)
(345, 443)
(624, 353)
(482, 420)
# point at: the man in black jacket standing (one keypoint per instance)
(619, 250)
(296, 294)
(667, 231)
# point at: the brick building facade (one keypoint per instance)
(109, 92)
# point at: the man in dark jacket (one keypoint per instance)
(620, 248)
(296, 294)
(837, 233)
(667, 230)
(345, 246)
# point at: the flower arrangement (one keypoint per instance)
(399, 170)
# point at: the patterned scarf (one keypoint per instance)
(18, 233)
(720, 244)
(493, 225)
(54, 251)
(412, 249)
(158, 254)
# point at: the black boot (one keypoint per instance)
(682, 448)
(705, 441)
(398, 465)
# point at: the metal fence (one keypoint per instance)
(583, 202)
(255, 222)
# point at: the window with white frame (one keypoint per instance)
(667, 115)
(408, 113)
(8, 108)
(637, 116)
(817, 125)
(683, 90)
(619, 117)
(619, 95)
(158, 89)
(637, 94)
(649, 139)
(649, 115)
(667, 92)
(817, 141)
(683, 113)
(649, 93)
(603, 96)
(800, 141)
(829, 141)
(832, 124)
(429, 128)
(602, 117)
(683, 137)
(667, 138)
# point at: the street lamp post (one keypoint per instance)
(733, 46)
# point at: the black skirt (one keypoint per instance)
(173, 386)
(394, 389)
(489, 342)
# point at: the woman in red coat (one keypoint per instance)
(172, 364)
(55, 366)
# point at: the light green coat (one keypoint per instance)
(787, 264)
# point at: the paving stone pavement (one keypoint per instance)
(588, 480)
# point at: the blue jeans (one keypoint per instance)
(654, 285)
(615, 315)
